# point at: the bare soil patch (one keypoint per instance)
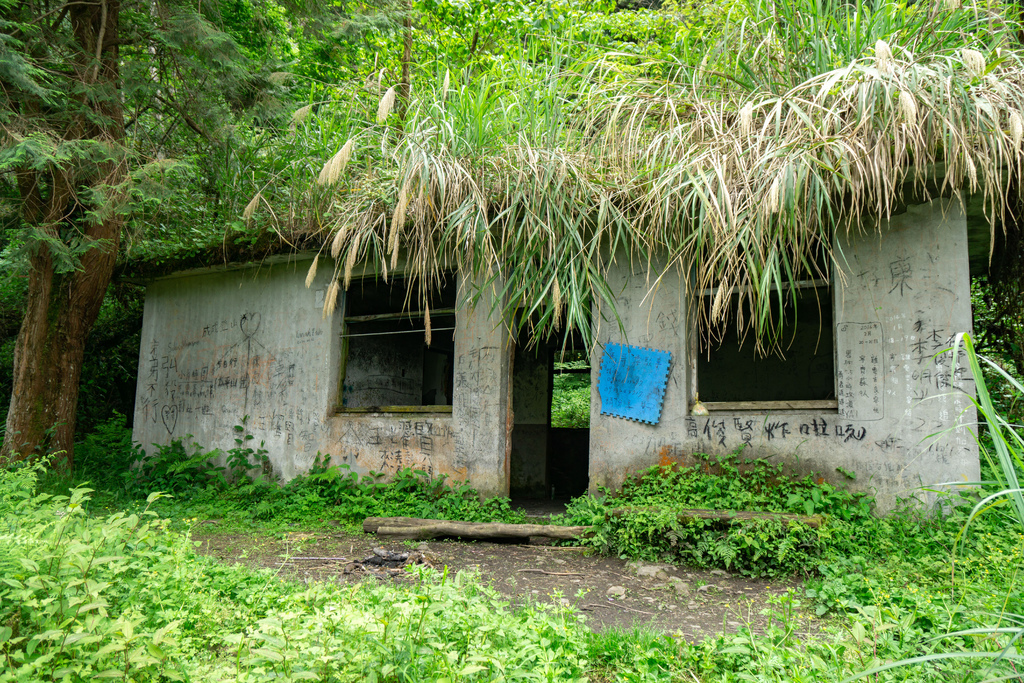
(611, 592)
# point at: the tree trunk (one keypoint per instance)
(62, 307)
(415, 529)
(60, 312)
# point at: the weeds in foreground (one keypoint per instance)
(238, 486)
(125, 596)
(766, 547)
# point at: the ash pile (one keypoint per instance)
(387, 563)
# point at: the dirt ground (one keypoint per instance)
(612, 593)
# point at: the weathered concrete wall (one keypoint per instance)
(218, 346)
(482, 405)
(384, 371)
(900, 297)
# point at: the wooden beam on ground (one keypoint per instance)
(690, 514)
(414, 529)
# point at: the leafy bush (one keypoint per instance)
(175, 467)
(86, 598)
(652, 530)
(333, 492)
(72, 588)
(570, 396)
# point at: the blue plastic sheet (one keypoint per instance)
(632, 381)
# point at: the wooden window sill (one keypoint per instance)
(397, 410)
(766, 406)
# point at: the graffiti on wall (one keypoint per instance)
(390, 445)
(212, 375)
(477, 384)
(744, 430)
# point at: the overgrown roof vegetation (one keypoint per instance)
(731, 147)
(729, 137)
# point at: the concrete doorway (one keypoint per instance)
(550, 457)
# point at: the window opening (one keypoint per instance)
(798, 373)
(387, 366)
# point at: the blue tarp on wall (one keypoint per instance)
(632, 382)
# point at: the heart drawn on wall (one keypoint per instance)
(250, 324)
(169, 414)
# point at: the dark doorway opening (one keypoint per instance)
(569, 422)
(550, 457)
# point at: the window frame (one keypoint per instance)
(775, 406)
(343, 358)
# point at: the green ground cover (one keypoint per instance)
(108, 584)
(126, 596)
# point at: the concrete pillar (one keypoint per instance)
(650, 318)
(482, 406)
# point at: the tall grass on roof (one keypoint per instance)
(735, 164)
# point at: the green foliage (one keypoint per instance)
(759, 548)
(999, 335)
(110, 364)
(176, 468)
(335, 492)
(73, 586)
(408, 493)
(85, 598)
(442, 628)
(570, 397)
(637, 655)
(243, 458)
(105, 456)
(239, 485)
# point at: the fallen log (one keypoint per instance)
(730, 516)
(414, 529)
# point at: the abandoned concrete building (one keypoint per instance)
(862, 388)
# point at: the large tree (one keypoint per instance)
(65, 151)
(95, 97)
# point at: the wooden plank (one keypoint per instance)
(414, 529)
(824, 404)
(398, 316)
(731, 516)
(799, 284)
(395, 409)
